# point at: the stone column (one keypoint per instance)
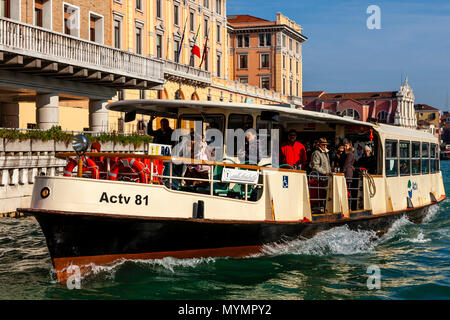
(47, 110)
(9, 115)
(98, 115)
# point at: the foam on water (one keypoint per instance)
(167, 263)
(432, 212)
(339, 240)
(419, 239)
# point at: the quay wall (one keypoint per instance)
(22, 161)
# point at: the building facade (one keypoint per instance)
(61, 61)
(267, 54)
(428, 118)
(392, 107)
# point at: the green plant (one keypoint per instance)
(55, 133)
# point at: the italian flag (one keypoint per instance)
(196, 49)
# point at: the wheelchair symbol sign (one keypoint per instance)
(285, 182)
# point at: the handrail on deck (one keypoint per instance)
(249, 190)
(181, 160)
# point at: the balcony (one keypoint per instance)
(42, 52)
(186, 74)
(297, 101)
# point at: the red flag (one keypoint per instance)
(196, 49)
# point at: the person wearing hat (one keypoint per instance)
(320, 160)
(367, 161)
(293, 152)
(96, 147)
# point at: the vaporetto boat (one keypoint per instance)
(150, 210)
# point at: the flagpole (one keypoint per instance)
(181, 42)
(204, 49)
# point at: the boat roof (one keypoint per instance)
(170, 108)
(406, 133)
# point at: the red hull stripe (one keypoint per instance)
(61, 264)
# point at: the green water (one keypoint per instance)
(413, 259)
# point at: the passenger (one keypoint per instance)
(99, 161)
(339, 158)
(96, 147)
(251, 153)
(320, 160)
(349, 160)
(293, 152)
(367, 161)
(199, 151)
(162, 135)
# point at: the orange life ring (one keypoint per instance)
(131, 163)
(88, 164)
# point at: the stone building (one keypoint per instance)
(61, 62)
(392, 107)
(267, 54)
(428, 118)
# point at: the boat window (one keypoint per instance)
(425, 158)
(415, 156)
(235, 122)
(432, 158)
(391, 158)
(240, 121)
(405, 159)
(209, 121)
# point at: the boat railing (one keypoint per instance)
(168, 171)
(354, 185)
(318, 192)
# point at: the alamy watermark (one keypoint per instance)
(374, 20)
(74, 280)
(248, 146)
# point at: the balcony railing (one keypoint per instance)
(173, 70)
(36, 42)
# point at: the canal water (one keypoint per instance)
(412, 261)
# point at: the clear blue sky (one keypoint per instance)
(342, 54)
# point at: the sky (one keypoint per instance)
(343, 55)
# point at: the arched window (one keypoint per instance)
(382, 116)
(351, 113)
(194, 96)
(179, 95)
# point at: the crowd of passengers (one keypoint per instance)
(313, 156)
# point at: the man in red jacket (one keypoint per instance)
(293, 152)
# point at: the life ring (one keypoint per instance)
(88, 164)
(131, 163)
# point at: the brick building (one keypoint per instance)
(392, 107)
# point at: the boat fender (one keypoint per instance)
(194, 210)
(88, 164)
(201, 209)
(409, 203)
(433, 198)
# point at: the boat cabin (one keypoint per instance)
(404, 173)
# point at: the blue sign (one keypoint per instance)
(285, 182)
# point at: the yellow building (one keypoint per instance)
(128, 49)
